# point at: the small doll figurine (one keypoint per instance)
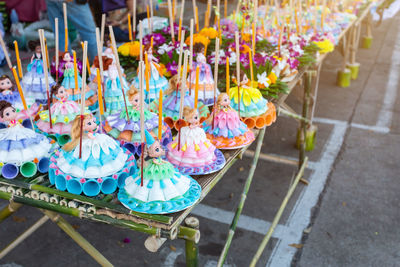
(113, 95)
(126, 131)
(255, 110)
(69, 75)
(63, 112)
(69, 83)
(224, 127)
(8, 92)
(192, 152)
(94, 166)
(20, 146)
(172, 101)
(157, 81)
(34, 80)
(164, 189)
(206, 80)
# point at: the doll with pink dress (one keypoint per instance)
(62, 113)
(206, 80)
(191, 151)
(224, 127)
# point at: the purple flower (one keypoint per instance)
(259, 60)
(172, 68)
(244, 60)
(158, 39)
(293, 62)
(228, 27)
(167, 30)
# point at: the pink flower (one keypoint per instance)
(115, 176)
(68, 177)
(99, 180)
(82, 181)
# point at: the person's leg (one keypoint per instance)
(81, 17)
(54, 10)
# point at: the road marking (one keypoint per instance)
(373, 128)
(386, 113)
(300, 216)
(245, 222)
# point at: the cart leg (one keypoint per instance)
(80, 240)
(367, 39)
(305, 140)
(23, 236)
(242, 199)
(191, 247)
(8, 210)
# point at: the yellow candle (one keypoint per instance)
(179, 31)
(173, 9)
(75, 72)
(251, 66)
(99, 92)
(196, 90)
(21, 93)
(297, 22)
(18, 59)
(225, 8)
(160, 120)
(66, 39)
(148, 16)
(205, 50)
(205, 21)
(280, 39)
(253, 28)
(197, 19)
(130, 27)
(147, 72)
(152, 42)
(47, 52)
(227, 76)
(219, 30)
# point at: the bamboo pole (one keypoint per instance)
(3, 45)
(23, 236)
(180, 55)
(65, 27)
(235, 220)
(102, 27)
(46, 74)
(134, 19)
(141, 40)
(9, 209)
(151, 16)
(181, 20)
(278, 215)
(80, 240)
(83, 93)
(171, 21)
(114, 47)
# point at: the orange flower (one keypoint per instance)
(198, 38)
(245, 49)
(211, 33)
(272, 77)
(246, 37)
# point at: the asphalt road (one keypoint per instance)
(347, 215)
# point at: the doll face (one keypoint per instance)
(9, 114)
(38, 50)
(89, 124)
(135, 101)
(67, 57)
(5, 84)
(62, 93)
(225, 100)
(195, 118)
(155, 150)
